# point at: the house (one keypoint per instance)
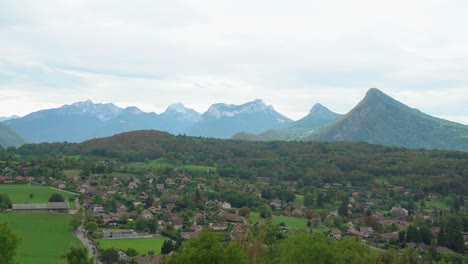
(118, 233)
(150, 259)
(146, 215)
(220, 226)
(122, 255)
(336, 233)
(224, 205)
(111, 223)
(389, 236)
(178, 223)
(399, 210)
(277, 203)
(98, 209)
(187, 235)
(354, 232)
(122, 208)
(297, 212)
(143, 196)
(160, 186)
(231, 217)
(366, 230)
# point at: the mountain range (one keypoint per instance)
(377, 119)
(86, 120)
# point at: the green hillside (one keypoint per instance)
(10, 137)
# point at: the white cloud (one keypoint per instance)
(290, 54)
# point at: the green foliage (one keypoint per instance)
(208, 247)
(56, 197)
(75, 221)
(5, 201)
(9, 243)
(91, 226)
(131, 252)
(19, 193)
(167, 247)
(78, 255)
(109, 256)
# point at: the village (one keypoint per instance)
(178, 204)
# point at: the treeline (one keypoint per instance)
(308, 163)
(267, 244)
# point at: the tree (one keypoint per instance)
(109, 256)
(5, 201)
(91, 226)
(75, 221)
(167, 246)
(343, 209)
(77, 255)
(453, 229)
(56, 197)
(31, 196)
(208, 247)
(9, 242)
(308, 199)
(264, 211)
(131, 252)
(244, 211)
(141, 225)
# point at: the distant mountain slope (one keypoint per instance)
(86, 120)
(380, 119)
(223, 121)
(10, 137)
(318, 118)
(177, 119)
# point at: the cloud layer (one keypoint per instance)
(290, 54)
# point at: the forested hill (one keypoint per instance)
(380, 119)
(10, 137)
(308, 163)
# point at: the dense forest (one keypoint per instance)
(308, 163)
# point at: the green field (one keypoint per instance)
(291, 222)
(19, 193)
(437, 204)
(142, 245)
(44, 236)
(157, 164)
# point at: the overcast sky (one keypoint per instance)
(292, 54)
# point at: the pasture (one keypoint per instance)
(290, 222)
(44, 236)
(157, 164)
(142, 245)
(19, 193)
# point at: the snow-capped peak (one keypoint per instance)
(221, 109)
(88, 108)
(180, 112)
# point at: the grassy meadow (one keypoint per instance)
(19, 193)
(44, 236)
(142, 245)
(157, 164)
(290, 222)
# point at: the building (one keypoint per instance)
(118, 233)
(55, 206)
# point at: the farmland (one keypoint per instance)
(290, 222)
(19, 193)
(44, 236)
(142, 245)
